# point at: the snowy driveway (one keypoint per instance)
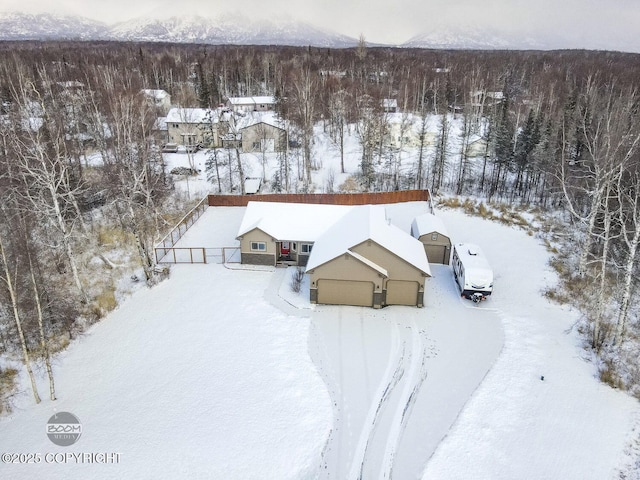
(398, 377)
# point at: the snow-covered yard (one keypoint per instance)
(223, 373)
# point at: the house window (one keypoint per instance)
(306, 248)
(434, 236)
(258, 246)
(255, 146)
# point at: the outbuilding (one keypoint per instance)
(432, 233)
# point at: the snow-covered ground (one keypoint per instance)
(223, 373)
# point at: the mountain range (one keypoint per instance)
(228, 29)
(239, 30)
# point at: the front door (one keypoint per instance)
(285, 248)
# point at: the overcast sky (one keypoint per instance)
(384, 21)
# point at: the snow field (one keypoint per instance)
(198, 377)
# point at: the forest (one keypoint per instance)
(560, 131)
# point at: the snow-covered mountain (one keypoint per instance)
(47, 26)
(477, 37)
(229, 29)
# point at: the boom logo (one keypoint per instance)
(64, 429)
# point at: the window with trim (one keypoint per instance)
(306, 248)
(434, 236)
(255, 145)
(258, 246)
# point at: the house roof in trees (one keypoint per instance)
(156, 94)
(264, 100)
(195, 115)
(389, 103)
(254, 118)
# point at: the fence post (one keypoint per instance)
(204, 256)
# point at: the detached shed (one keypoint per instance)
(430, 230)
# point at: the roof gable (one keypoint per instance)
(428, 223)
(362, 223)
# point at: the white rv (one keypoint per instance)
(472, 271)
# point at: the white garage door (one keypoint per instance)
(400, 292)
(345, 292)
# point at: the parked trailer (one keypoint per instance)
(472, 272)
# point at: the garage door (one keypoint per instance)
(437, 254)
(345, 292)
(402, 293)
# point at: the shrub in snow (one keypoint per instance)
(296, 280)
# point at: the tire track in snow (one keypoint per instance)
(417, 374)
(390, 379)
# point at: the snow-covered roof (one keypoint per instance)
(428, 223)
(300, 222)
(362, 223)
(252, 185)
(252, 100)
(160, 123)
(390, 103)
(474, 261)
(156, 94)
(192, 115)
(254, 118)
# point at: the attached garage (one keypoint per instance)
(400, 292)
(345, 292)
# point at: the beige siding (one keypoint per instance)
(438, 250)
(402, 293)
(345, 292)
(346, 267)
(261, 136)
(397, 268)
(257, 235)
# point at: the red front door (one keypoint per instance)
(284, 248)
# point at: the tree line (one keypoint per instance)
(560, 130)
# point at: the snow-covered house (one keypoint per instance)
(406, 129)
(364, 260)
(192, 126)
(390, 105)
(432, 233)
(262, 132)
(251, 104)
(476, 146)
(352, 254)
(159, 99)
(273, 233)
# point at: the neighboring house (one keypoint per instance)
(261, 132)
(158, 99)
(484, 98)
(477, 146)
(405, 129)
(251, 104)
(363, 260)
(390, 105)
(193, 126)
(432, 233)
(160, 131)
(352, 254)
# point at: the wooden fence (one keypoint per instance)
(323, 198)
(166, 252)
